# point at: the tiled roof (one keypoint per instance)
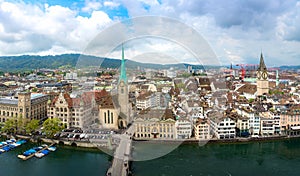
(248, 88)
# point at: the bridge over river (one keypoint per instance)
(122, 155)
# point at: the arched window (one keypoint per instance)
(108, 117)
(104, 117)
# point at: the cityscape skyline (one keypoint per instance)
(236, 31)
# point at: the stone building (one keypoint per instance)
(75, 112)
(155, 124)
(26, 105)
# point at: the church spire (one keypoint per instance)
(123, 76)
(262, 65)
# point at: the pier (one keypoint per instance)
(32, 155)
(122, 156)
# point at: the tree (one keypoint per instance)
(52, 126)
(14, 125)
(31, 126)
(9, 126)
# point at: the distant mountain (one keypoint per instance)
(290, 67)
(27, 62)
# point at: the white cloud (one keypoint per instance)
(91, 5)
(32, 29)
(242, 28)
(111, 4)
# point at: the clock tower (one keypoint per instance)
(123, 95)
(262, 78)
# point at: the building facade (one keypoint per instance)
(183, 128)
(73, 112)
(221, 126)
(202, 130)
(155, 124)
(27, 105)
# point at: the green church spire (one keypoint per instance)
(123, 68)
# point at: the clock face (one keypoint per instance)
(265, 75)
(258, 74)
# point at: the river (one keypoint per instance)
(64, 162)
(253, 158)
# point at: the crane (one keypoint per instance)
(246, 67)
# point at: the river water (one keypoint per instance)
(254, 158)
(66, 161)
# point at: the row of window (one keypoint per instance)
(153, 136)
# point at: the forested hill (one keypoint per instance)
(28, 62)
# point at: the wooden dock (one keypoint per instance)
(24, 158)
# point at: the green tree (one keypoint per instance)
(10, 126)
(52, 126)
(21, 124)
(31, 126)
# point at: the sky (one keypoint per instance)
(237, 31)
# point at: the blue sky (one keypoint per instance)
(236, 30)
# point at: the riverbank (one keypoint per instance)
(87, 144)
(224, 141)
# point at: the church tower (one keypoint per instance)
(262, 78)
(123, 95)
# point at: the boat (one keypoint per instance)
(38, 152)
(39, 155)
(29, 152)
(10, 144)
(42, 153)
(52, 148)
(45, 152)
(21, 156)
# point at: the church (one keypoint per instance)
(115, 109)
(262, 78)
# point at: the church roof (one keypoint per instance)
(262, 65)
(123, 76)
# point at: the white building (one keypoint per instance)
(267, 126)
(254, 120)
(183, 128)
(71, 75)
(221, 126)
(268, 122)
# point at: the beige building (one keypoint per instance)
(202, 129)
(290, 121)
(74, 112)
(155, 124)
(108, 114)
(27, 105)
